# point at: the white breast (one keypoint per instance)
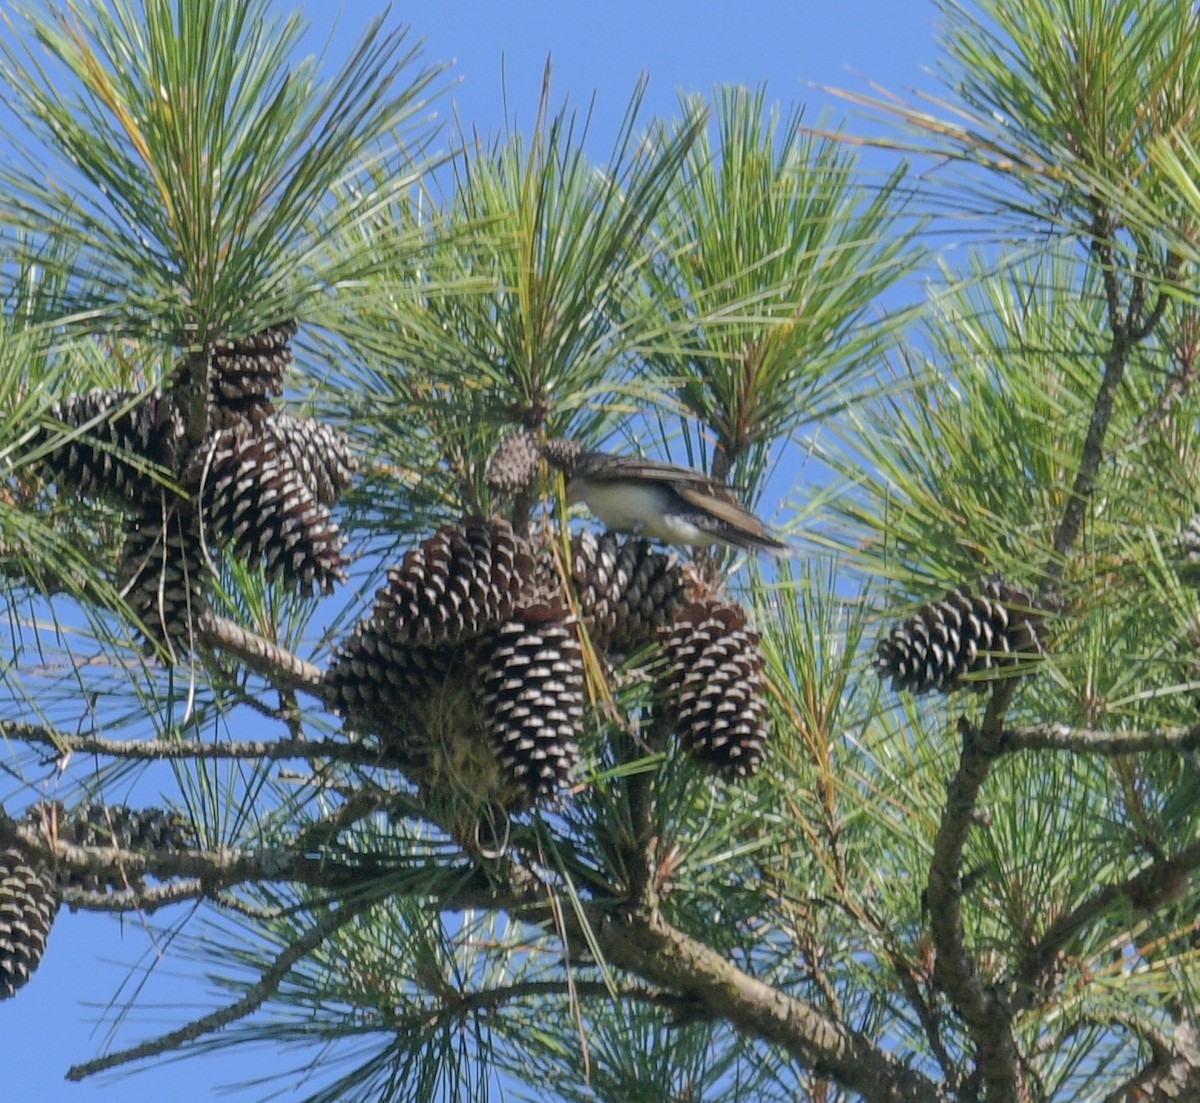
(642, 508)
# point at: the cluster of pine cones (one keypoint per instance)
(31, 887)
(470, 666)
(256, 480)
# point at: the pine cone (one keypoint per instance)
(627, 589)
(964, 633)
(713, 690)
(453, 586)
(246, 373)
(422, 703)
(104, 460)
(532, 698)
(562, 453)
(28, 906)
(376, 680)
(514, 464)
(124, 828)
(323, 455)
(163, 575)
(257, 502)
(109, 827)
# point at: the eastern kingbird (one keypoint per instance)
(663, 502)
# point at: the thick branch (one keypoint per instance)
(988, 1019)
(665, 956)
(1173, 1072)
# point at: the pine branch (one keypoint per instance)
(666, 956)
(460, 1004)
(1121, 323)
(329, 750)
(1064, 737)
(983, 1010)
(285, 670)
(1173, 1072)
(455, 889)
(145, 899)
(1159, 883)
(927, 1014)
(247, 1005)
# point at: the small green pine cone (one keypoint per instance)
(562, 453)
(514, 464)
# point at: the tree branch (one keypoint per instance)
(145, 899)
(459, 1003)
(254, 998)
(983, 1010)
(454, 889)
(665, 956)
(330, 750)
(1157, 884)
(1063, 737)
(277, 664)
(1173, 1072)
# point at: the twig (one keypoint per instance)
(1073, 516)
(930, 1021)
(274, 662)
(254, 998)
(1158, 883)
(489, 999)
(332, 750)
(144, 899)
(454, 888)
(1063, 737)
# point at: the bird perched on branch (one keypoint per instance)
(677, 505)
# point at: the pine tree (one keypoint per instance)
(468, 788)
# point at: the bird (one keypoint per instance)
(660, 501)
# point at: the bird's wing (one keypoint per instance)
(722, 503)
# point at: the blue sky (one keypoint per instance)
(786, 45)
